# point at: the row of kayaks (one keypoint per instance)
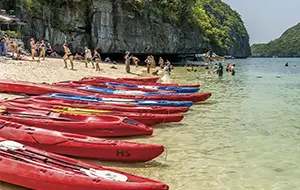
(68, 118)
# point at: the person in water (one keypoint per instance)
(220, 70)
(33, 48)
(88, 57)
(42, 49)
(287, 64)
(68, 56)
(233, 69)
(97, 59)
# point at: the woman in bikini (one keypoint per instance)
(97, 59)
(68, 56)
(42, 48)
(33, 48)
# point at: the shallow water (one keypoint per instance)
(246, 136)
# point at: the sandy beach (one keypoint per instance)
(52, 70)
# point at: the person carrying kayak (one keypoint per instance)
(220, 70)
(68, 56)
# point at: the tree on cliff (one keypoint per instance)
(287, 45)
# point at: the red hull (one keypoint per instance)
(79, 145)
(36, 169)
(34, 88)
(198, 97)
(107, 106)
(96, 126)
(145, 118)
(141, 80)
(98, 80)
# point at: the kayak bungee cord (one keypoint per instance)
(4, 149)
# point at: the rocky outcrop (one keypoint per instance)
(107, 25)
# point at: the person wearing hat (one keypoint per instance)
(33, 48)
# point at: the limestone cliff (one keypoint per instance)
(116, 27)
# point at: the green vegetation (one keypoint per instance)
(221, 28)
(218, 23)
(286, 46)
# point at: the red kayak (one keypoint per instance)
(79, 145)
(90, 125)
(35, 169)
(34, 88)
(98, 80)
(142, 79)
(198, 97)
(145, 118)
(106, 106)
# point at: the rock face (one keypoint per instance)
(108, 25)
(117, 30)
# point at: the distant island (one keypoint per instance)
(287, 45)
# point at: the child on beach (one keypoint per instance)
(88, 57)
(68, 56)
(97, 59)
(42, 48)
(13, 47)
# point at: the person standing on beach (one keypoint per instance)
(161, 62)
(13, 48)
(68, 56)
(127, 62)
(42, 49)
(33, 48)
(88, 57)
(97, 59)
(136, 61)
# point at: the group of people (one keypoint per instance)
(150, 63)
(40, 48)
(7, 46)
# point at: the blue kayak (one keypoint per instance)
(177, 89)
(123, 101)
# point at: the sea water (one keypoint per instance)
(246, 136)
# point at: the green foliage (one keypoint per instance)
(13, 34)
(219, 24)
(286, 46)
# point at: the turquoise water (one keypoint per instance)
(246, 136)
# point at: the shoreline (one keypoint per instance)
(52, 70)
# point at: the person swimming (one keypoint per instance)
(287, 64)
